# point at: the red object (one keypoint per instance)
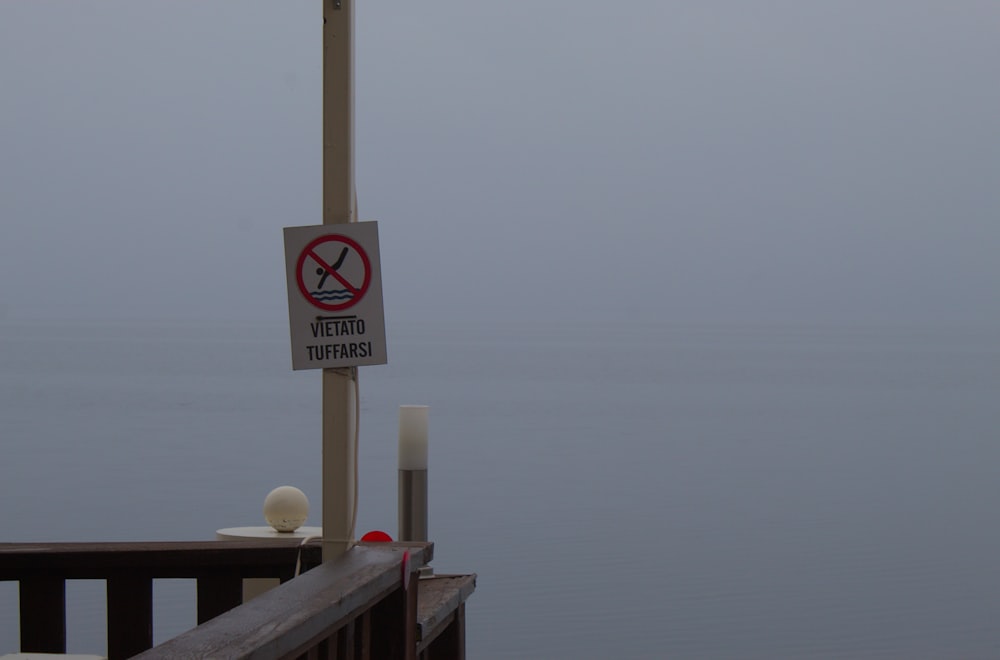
(375, 536)
(406, 570)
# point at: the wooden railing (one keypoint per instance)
(359, 606)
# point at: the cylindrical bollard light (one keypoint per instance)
(413, 473)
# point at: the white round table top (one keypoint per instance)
(265, 532)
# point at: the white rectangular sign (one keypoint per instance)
(335, 310)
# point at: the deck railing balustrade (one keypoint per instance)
(360, 606)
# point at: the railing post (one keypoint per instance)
(450, 645)
(218, 594)
(363, 636)
(43, 614)
(395, 621)
(130, 615)
(345, 641)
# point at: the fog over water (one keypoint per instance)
(711, 161)
(657, 491)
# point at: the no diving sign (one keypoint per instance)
(353, 277)
(335, 295)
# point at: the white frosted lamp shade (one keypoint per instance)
(413, 437)
(286, 508)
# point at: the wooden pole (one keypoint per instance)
(339, 206)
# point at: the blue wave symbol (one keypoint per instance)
(327, 296)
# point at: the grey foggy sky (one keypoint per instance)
(689, 161)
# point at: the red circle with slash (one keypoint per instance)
(330, 253)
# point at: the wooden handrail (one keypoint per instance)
(165, 559)
(326, 608)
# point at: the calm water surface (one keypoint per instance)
(633, 492)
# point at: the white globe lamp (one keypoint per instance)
(286, 508)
